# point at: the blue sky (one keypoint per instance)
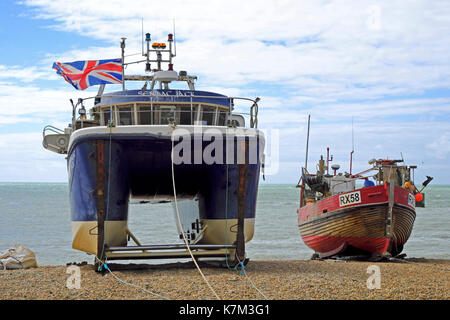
(386, 64)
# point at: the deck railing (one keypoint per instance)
(156, 104)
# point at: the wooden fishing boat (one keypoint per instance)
(336, 218)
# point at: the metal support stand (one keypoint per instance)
(166, 251)
(240, 238)
(100, 201)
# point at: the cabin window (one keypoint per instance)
(208, 115)
(106, 116)
(125, 116)
(185, 114)
(195, 113)
(145, 115)
(222, 117)
(167, 114)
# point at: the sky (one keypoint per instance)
(382, 65)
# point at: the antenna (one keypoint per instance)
(305, 169)
(174, 41)
(353, 137)
(307, 144)
(142, 35)
(122, 46)
(329, 159)
(353, 149)
(147, 64)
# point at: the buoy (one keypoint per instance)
(419, 197)
(407, 185)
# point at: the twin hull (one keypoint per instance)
(108, 165)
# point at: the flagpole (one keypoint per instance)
(122, 45)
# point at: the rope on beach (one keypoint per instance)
(181, 227)
(248, 278)
(226, 241)
(130, 284)
(109, 185)
(102, 263)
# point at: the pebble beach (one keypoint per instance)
(412, 279)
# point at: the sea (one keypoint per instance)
(37, 215)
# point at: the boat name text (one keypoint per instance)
(176, 93)
(349, 199)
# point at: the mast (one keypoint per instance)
(302, 187)
(158, 75)
(353, 150)
(122, 46)
(147, 64)
(307, 144)
(329, 159)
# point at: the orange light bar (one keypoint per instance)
(158, 45)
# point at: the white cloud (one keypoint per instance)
(441, 146)
(30, 100)
(324, 58)
(325, 48)
(23, 158)
(20, 73)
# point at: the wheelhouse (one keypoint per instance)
(141, 113)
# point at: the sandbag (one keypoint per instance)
(17, 257)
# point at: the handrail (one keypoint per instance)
(253, 108)
(166, 96)
(51, 128)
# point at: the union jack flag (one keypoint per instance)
(82, 74)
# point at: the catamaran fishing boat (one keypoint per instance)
(191, 147)
(336, 218)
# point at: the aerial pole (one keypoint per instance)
(147, 64)
(142, 36)
(353, 150)
(302, 186)
(329, 159)
(122, 46)
(307, 144)
(174, 42)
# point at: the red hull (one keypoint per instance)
(337, 224)
(330, 245)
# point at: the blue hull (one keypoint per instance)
(105, 170)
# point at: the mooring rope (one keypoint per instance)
(128, 283)
(248, 278)
(181, 227)
(103, 263)
(108, 192)
(226, 241)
